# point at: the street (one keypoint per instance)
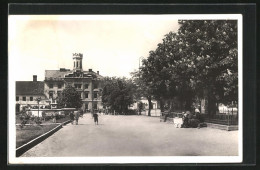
(134, 136)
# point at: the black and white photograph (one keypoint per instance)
(125, 89)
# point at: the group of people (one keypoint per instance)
(74, 116)
(192, 120)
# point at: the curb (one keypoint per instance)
(66, 122)
(22, 149)
(222, 127)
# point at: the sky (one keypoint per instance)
(112, 45)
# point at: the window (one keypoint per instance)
(86, 95)
(17, 98)
(50, 94)
(24, 98)
(95, 95)
(86, 86)
(77, 64)
(86, 106)
(51, 86)
(95, 106)
(77, 86)
(80, 94)
(59, 86)
(59, 93)
(95, 85)
(31, 98)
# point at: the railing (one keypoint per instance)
(223, 119)
(170, 115)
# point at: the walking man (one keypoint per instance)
(77, 114)
(95, 115)
(71, 117)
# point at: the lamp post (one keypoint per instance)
(38, 101)
(92, 96)
(140, 58)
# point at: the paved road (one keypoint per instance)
(134, 136)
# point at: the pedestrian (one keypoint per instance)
(71, 117)
(81, 113)
(77, 114)
(95, 115)
(54, 117)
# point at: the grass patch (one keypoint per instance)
(30, 132)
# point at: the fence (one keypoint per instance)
(229, 118)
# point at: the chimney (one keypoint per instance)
(34, 78)
(90, 70)
(98, 72)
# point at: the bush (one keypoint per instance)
(131, 112)
(193, 123)
(24, 119)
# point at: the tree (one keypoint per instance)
(211, 51)
(117, 94)
(140, 106)
(69, 98)
(199, 59)
(142, 89)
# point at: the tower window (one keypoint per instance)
(24, 98)
(17, 98)
(31, 98)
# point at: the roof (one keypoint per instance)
(29, 88)
(98, 76)
(58, 74)
(55, 73)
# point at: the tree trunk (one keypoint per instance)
(188, 102)
(212, 108)
(149, 105)
(181, 104)
(162, 105)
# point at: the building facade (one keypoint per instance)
(87, 83)
(27, 93)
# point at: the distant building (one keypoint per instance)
(87, 83)
(155, 104)
(28, 91)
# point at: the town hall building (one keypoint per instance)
(87, 83)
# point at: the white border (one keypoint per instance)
(119, 160)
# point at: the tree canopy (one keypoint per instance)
(117, 94)
(201, 56)
(69, 98)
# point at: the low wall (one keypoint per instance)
(34, 112)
